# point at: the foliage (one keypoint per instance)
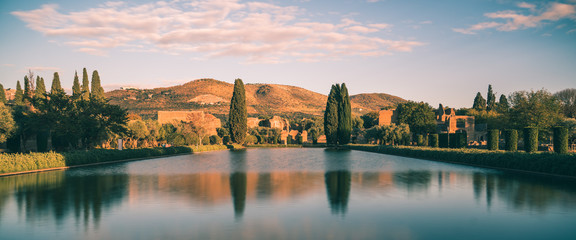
(331, 115)
(238, 113)
(420, 140)
(215, 140)
(493, 139)
(370, 119)
(419, 116)
(561, 140)
(27, 88)
(344, 116)
(56, 85)
(493, 119)
(479, 102)
(549, 163)
(19, 95)
(503, 106)
(534, 109)
(40, 91)
(357, 122)
(314, 134)
(433, 140)
(530, 139)
(568, 99)
(7, 124)
(389, 134)
(490, 99)
(444, 140)
(511, 140)
(97, 93)
(2, 94)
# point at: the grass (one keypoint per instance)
(19, 162)
(540, 162)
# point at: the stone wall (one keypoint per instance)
(207, 120)
(387, 117)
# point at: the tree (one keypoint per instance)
(76, 92)
(490, 99)
(40, 88)
(534, 109)
(7, 124)
(2, 94)
(137, 132)
(56, 86)
(419, 116)
(479, 102)
(199, 126)
(97, 93)
(331, 116)
(370, 119)
(344, 116)
(503, 106)
(85, 87)
(238, 120)
(19, 96)
(27, 88)
(568, 99)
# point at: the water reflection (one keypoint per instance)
(238, 182)
(337, 179)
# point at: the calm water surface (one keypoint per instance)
(286, 194)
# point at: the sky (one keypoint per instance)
(442, 51)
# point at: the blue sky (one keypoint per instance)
(440, 51)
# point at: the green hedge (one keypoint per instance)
(561, 140)
(462, 140)
(19, 162)
(420, 140)
(493, 139)
(511, 140)
(433, 140)
(453, 140)
(530, 139)
(542, 162)
(444, 140)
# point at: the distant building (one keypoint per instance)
(10, 94)
(208, 120)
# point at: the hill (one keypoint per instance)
(214, 96)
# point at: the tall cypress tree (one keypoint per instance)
(19, 96)
(2, 94)
(40, 88)
(344, 116)
(238, 117)
(331, 115)
(490, 99)
(56, 86)
(479, 102)
(76, 91)
(97, 90)
(85, 87)
(503, 105)
(27, 88)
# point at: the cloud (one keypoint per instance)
(513, 20)
(43, 69)
(255, 31)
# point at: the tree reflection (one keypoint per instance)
(413, 180)
(337, 179)
(238, 182)
(58, 194)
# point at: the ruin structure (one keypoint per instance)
(207, 120)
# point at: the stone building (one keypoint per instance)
(207, 120)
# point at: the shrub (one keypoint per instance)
(250, 139)
(226, 140)
(444, 140)
(462, 140)
(215, 140)
(530, 139)
(420, 140)
(560, 140)
(493, 138)
(511, 140)
(433, 140)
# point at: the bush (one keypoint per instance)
(462, 140)
(561, 140)
(444, 140)
(250, 139)
(226, 140)
(420, 140)
(493, 139)
(511, 140)
(433, 140)
(215, 140)
(530, 139)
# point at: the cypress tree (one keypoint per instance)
(19, 96)
(511, 140)
(331, 116)
(76, 92)
(344, 116)
(97, 90)
(85, 87)
(56, 86)
(479, 102)
(561, 140)
(503, 105)
(433, 140)
(2, 94)
(238, 117)
(530, 139)
(27, 88)
(40, 88)
(493, 139)
(490, 99)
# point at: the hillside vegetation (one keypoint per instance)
(213, 96)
